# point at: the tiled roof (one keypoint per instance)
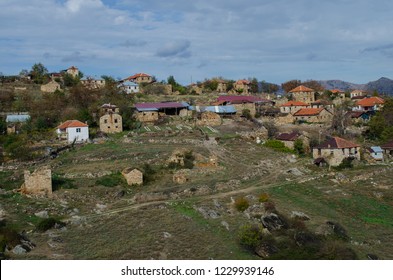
(388, 145)
(337, 91)
(138, 75)
(370, 101)
(72, 123)
(243, 82)
(337, 143)
(288, 136)
(294, 103)
(308, 112)
(355, 114)
(302, 89)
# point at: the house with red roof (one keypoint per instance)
(335, 149)
(369, 104)
(313, 115)
(292, 107)
(140, 78)
(303, 94)
(73, 130)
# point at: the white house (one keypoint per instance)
(73, 130)
(129, 87)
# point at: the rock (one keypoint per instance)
(295, 172)
(2, 214)
(100, 206)
(303, 238)
(217, 204)
(167, 235)
(372, 257)
(265, 250)
(19, 250)
(133, 176)
(225, 224)
(324, 230)
(338, 230)
(42, 214)
(273, 221)
(120, 194)
(180, 177)
(208, 213)
(300, 216)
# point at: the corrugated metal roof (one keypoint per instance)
(376, 149)
(17, 118)
(241, 99)
(215, 109)
(160, 105)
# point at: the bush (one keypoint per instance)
(269, 206)
(246, 113)
(251, 236)
(62, 183)
(277, 145)
(49, 223)
(345, 164)
(241, 204)
(111, 180)
(263, 197)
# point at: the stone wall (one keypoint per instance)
(38, 183)
(133, 176)
(209, 118)
(147, 117)
(50, 87)
(240, 107)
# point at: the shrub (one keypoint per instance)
(148, 173)
(345, 164)
(189, 160)
(250, 236)
(49, 223)
(111, 180)
(246, 113)
(263, 197)
(269, 206)
(241, 204)
(277, 145)
(62, 183)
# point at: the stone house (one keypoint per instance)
(111, 123)
(208, 118)
(335, 149)
(242, 86)
(338, 94)
(91, 83)
(73, 130)
(303, 94)
(388, 148)
(150, 112)
(292, 107)
(221, 86)
(109, 108)
(50, 87)
(140, 78)
(289, 139)
(357, 93)
(73, 71)
(313, 115)
(321, 103)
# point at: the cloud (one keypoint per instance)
(75, 6)
(76, 57)
(179, 49)
(133, 43)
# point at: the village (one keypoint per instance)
(94, 147)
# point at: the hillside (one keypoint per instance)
(382, 85)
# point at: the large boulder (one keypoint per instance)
(273, 222)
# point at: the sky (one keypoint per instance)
(271, 40)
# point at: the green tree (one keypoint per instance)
(39, 73)
(254, 85)
(70, 80)
(381, 125)
(290, 85)
(299, 147)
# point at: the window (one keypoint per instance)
(319, 152)
(78, 130)
(331, 152)
(115, 120)
(105, 121)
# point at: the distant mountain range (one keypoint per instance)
(382, 86)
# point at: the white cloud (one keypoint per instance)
(75, 5)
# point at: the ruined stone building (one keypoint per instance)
(50, 87)
(111, 123)
(38, 183)
(133, 176)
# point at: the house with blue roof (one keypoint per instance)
(376, 153)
